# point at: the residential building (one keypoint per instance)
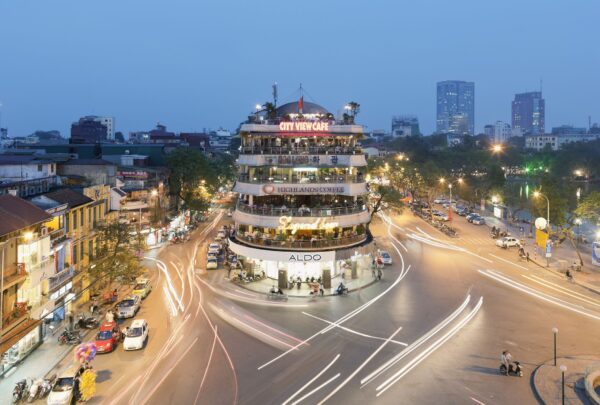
(502, 132)
(89, 171)
(89, 130)
(26, 175)
(568, 129)
(405, 125)
(455, 107)
(556, 141)
(528, 112)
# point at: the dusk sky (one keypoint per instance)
(194, 64)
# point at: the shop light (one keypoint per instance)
(305, 169)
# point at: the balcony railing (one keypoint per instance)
(308, 150)
(300, 211)
(58, 279)
(311, 244)
(338, 179)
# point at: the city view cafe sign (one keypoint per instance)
(297, 126)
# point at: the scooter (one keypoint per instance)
(34, 390)
(71, 338)
(86, 323)
(19, 391)
(46, 386)
(514, 369)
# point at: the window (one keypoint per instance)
(91, 249)
(39, 168)
(81, 250)
(81, 218)
(74, 219)
(75, 256)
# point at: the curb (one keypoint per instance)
(536, 394)
(308, 296)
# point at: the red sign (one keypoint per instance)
(304, 126)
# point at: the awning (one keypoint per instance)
(12, 337)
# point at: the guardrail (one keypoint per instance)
(301, 212)
(301, 180)
(316, 150)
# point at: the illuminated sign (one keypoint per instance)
(285, 224)
(270, 189)
(297, 257)
(304, 126)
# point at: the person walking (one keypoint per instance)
(321, 289)
(110, 317)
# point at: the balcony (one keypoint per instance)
(265, 241)
(59, 279)
(328, 160)
(300, 211)
(309, 150)
(311, 179)
(18, 277)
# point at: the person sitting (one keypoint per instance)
(341, 288)
(273, 290)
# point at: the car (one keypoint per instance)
(136, 335)
(221, 235)
(211, 255)
(229, 212)
(472, 215)
(107, 337)
(212, 264)
(440, 201)
(128, 307)
(386, 257)
(142, 288)
(62, 391)
(478, 221)
(508, 241)
(214, 248)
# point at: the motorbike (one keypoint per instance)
(34, 389)
(68, 337)
(514, 369)
(19, 391)
(46, 386)
(86, 322)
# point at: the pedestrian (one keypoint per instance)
(527, 256)
(114, 295)
(379, 274)
(321, 289)
(110, 317)
(70, 319)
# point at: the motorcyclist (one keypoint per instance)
(341, 288)
(506, 359)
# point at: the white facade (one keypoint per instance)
(556, 141)
(26, 171)
(502, 132)
(109, 122)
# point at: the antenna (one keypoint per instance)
(541, 83)
(275, 94)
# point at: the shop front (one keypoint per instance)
(19, 344)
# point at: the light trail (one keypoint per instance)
(170, 301)
(311, 381)
(335, 377)
(273, 329)
(161, 265)
(537, 294)
(564, 290)
(351, 376)
(212, 350)
(352, 330)
(181, 280)
(509, 262)
(422, 356)
(416, 344)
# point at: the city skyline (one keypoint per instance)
(187, 78)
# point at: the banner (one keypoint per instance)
(541, 238)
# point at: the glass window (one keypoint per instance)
(74, 219)
(81, 250)
(81, 219)
(75, 255)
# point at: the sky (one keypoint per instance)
(194, 64)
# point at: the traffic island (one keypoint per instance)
(547, 380)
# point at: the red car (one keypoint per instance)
(108, 337)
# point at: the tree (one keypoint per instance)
(117, 259)
(191, 176)
(119, 137)
(589, 208)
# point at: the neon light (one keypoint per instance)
(304, 126)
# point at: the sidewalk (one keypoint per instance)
(547, 380)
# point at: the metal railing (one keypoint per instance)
(308, 150)
(300, 212)
(274, 243)
(244, 178)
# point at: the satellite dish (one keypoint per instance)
(541, 223)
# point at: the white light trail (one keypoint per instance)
(509, 262)
(335, 377)
(427, 352)
(564, 290)
(311, 381)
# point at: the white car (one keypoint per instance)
(386, 258)
(440, 216)
(62, 391)
(136, 335)
(478, 221)
(440, 201)
(222, 234)
(214, 248)
(508, 241)
(212, 263)
(128, 307)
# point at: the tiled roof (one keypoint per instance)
(68, 196)
(16, 213)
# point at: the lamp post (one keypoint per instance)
(563, 369)
(555, 332)
(538, 194)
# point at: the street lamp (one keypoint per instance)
(154, 193)
(555, 332)
(537, 194)
(563, 369)
(497, 148)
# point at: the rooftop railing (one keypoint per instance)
(245, 178)
(278, 211)
(312, 244)
(308, 150)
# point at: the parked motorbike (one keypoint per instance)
(19, 391)
(46, 386)
(86, 322)
(34, 389)
(68, 337)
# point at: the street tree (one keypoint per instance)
(191, 177)
(589, 208)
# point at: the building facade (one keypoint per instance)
(89, 130)
(556, 141)
(455, 107)
(302, 208)
(528, 112)
(405, 125)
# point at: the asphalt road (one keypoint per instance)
(438, 319)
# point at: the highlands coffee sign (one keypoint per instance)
(304, 126)
(281, 189)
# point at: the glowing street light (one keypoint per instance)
(154, 192)
(442, 180)
(537, 194)
(497, 148)
(258, 107)
(578, 172)
(28, 235)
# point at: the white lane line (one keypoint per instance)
(540, 295)
(351, 376)
(477, 401)
(168, 372)
(353, 331)
(212, 350)
(416, 344)
(335, 377)
(311, 381)
(563, 290)
(508, 261)
(427, 352)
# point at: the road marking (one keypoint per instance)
(422, 356)
(537, 294)
(416, 344)
(311, 381)
(563, 290)
(351, 376)
(353, 331)
(317, 389)
(478, 402)
(508, 261)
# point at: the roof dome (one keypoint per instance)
(292, 108)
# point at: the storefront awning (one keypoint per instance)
(13, 336)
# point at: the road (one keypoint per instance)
(431, 331)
